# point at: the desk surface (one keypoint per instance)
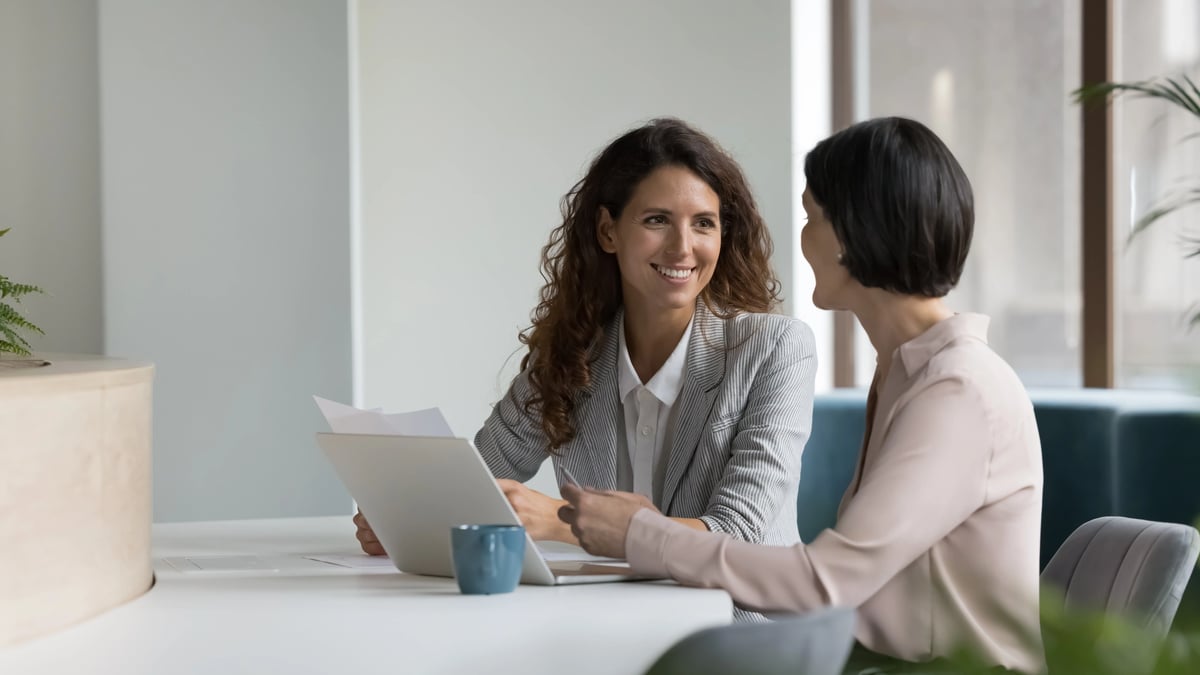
(358, 620)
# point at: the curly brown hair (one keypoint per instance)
(583, 283)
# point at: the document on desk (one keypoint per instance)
(353, 560)
(345, 419)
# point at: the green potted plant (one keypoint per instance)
(1104, 645)
(1180, 92)
(12, 324)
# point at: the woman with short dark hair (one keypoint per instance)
(936, 541)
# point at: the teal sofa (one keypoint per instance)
(1104, 452)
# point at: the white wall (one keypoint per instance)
(224, 255)
(476, 116)
(226, 241)
(50, 168)
(812, 120)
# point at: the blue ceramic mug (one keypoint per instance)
(487, 558)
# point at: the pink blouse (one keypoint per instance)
(937, 536)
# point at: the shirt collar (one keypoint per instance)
(917, 352)
(667, 382)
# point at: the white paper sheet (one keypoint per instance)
(354, 561)
(345, 419)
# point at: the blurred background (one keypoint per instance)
(271, 199)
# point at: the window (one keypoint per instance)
(1156, 288)
(993, 79)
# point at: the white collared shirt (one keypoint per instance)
(648, 418)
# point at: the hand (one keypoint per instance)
(600, 518)
(538, 513)
(366, 536)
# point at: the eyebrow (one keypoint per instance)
(668, 212)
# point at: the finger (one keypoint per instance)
(571, 493)
(567, 514)
(373, 548)
(360, 520)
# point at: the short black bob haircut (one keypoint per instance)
(900, 205)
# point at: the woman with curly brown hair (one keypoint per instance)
(653, 365)
(936, 540)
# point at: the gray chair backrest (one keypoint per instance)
(816, 643)
(1134, 568)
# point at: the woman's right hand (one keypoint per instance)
(366, 536)
(538, 512)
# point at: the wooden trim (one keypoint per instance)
(842, 24)
(1097, 200)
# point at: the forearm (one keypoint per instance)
(761, 578)
(564, 534)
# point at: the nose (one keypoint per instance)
(679, 244)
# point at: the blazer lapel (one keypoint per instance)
(598, 415)
(705, 369)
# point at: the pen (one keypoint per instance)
(569, 477)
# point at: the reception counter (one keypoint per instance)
(75, 500)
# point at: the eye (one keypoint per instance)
(657, 219)
(707, 224)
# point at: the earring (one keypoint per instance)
(839, 257)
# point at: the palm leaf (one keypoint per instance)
(1163, 209)
(1180, 91)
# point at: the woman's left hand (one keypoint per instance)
(600, 519)
(538, 513)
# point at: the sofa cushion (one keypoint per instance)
(1104, 452)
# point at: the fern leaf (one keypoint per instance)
(8, 315)
(11, 336)
(15, 290)
(10, 348)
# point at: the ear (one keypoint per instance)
(605, 234)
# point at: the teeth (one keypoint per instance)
(674, 274)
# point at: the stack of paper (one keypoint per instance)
(345, 419)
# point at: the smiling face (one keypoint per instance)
(667, 240)
(822, 249)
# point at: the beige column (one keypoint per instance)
(75, 501)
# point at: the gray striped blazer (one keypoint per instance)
(745, 412)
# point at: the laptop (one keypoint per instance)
(413, 489)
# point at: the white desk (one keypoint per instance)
(358, 621)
